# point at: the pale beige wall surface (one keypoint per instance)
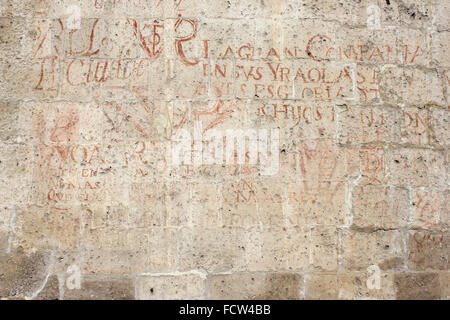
(93, 205)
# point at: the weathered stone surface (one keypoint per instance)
(43, 227)
(440, 47)
(324, 249)
(377, 207)
(415, 125)
(211, 249)
(13, 123)
(348, 286)
(321, 203)
(368, 125)
(255, 286)
(417, 286)
(382, 248)
(125, 251)
(428, 250)
(416, 167)
(23, 275)
(236, 286)
(440, 122)
(402, 85)
(430, 209)
(171, 287)
(51, 289)
(321, 286)
(277, 249)
(441, 19)
(197, 149)
(285, 286)
(357, 286)
(445, 283)
(122, 289)
(15, 174)
(5, 227)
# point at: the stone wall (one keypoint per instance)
(94, 205)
